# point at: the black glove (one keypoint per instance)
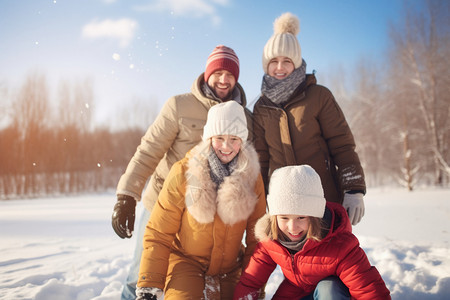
(146, 296)
(123, 216)
(148, 293)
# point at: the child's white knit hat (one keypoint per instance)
(227, 118)
(296, 190)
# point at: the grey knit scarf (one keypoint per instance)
(218, 170)
(235, 94)
(293, 247)
(279, 91)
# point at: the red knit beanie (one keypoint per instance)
(222, 58)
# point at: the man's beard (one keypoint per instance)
(226, 97)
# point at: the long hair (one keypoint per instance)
(315, 231)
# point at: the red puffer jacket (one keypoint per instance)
(338, 254)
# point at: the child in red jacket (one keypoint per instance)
(311, 240)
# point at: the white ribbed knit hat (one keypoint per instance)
(227, 118)
(283, 42)
(296, 190)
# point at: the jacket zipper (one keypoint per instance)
(296, 274)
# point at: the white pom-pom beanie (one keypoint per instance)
(296, 190)
(283, 42)
(227, 118)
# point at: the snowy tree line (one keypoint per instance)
(399, 113)
(54, 149)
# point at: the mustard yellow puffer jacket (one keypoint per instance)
(202, 225)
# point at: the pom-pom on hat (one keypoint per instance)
(222, 58)
(227, 118)
(296, 190)
(283, 42)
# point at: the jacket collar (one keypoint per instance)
(235, 198)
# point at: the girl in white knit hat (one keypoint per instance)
(296, 121)
(210, 199)
(311, 240)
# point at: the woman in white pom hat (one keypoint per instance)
(311, 241)
(210, 199)
(297, 121)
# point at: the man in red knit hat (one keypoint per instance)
(222, 71)
(176, 130)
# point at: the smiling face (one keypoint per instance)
(295, 227)
(222, 83)
(280, 67)
(226, 147)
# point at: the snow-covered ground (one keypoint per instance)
(65, 248)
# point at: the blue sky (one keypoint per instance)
(153, 49)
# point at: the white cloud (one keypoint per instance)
(191, 8)
(123, 30)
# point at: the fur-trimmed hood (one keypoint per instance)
(263, 228)
(235, 198)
